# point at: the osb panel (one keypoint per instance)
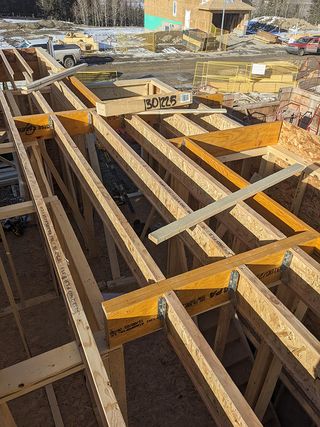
(300, 142)
(284, 193)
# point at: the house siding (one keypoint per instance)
(160, 12)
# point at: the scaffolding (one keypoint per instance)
(267, 77)
(126, 43)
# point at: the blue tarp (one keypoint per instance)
(255, 26)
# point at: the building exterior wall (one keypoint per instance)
(159, 13)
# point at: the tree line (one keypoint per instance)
(308, 10)
(88, 12)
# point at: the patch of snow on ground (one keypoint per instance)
(103, 33)
(4, 44)
(21, 21)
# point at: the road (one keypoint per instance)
(179, 71)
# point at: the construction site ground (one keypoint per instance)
(153, 375)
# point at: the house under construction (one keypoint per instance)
(166, 266)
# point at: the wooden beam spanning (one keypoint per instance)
(226, 401)
(304, 271)
(220, 143)
(138, 259)
(38, 371)
(221, 205)
(201, 241)
(199, 183)
(48, 80)
(284, 220)
(218, 121)
(136, 314)
(39, 125)
(108, 406)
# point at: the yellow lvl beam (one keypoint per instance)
(136, 314)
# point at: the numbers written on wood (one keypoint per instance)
(160, 102)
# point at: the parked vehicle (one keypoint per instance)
(304, 45)
(67, 54)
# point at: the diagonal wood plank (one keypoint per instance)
(223, 204)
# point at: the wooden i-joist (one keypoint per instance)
(234, 254)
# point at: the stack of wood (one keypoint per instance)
(265, 37)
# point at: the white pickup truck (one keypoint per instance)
(67, 54)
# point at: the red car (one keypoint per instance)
(305, 45)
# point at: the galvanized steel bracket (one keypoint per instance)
(233, 281)
(162, 308)
(286, 261)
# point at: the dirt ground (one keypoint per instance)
(153, 371)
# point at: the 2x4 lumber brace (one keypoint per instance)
(230, 406)
(46, 81)
(138, 259)
(22, 208)
(108, 406)
(136, 314)
(6, 148)
(200, 240)
(285, 220)
(201, 185)
(221, 205)
(43, 369)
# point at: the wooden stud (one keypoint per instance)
(226, 313)
(11, 264)
(6, 418)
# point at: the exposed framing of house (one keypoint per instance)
(268, 272)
